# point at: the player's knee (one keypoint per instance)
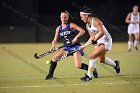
(91, 57)
(55, 57)
(130, 39)
(102, 61)
(137, 39)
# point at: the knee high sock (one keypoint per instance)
(110, 62)
(135, 43)
(129, 44)
(52, 67)
(92, 66)
(84, 66)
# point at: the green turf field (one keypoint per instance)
(20, 72)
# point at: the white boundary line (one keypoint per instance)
(59, 85)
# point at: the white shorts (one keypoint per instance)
(107, 41)
(133, 29)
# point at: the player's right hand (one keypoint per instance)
(52, 49)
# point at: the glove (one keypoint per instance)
(94, 42)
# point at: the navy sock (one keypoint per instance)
(84, 66)
(52, 67)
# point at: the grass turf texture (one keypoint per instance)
(20, 72)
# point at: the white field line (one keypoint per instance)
(59, 85)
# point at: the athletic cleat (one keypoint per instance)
(117, 67)
(49, 77)
(86, 78)
(95, 73)
(137, 48)
(129, 50)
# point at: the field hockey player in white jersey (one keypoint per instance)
(133, 19)
(102, 40)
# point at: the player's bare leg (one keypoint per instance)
(54, 64)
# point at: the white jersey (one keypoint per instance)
(105, 39)
(134, 28)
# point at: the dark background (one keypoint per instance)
(29, 21)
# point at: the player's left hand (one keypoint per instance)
(81, 48)
(74, 40)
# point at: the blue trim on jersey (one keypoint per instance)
(73, 47)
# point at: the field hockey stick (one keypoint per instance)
(70, 53)
(46, 53)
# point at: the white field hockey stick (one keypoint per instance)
(70, 53)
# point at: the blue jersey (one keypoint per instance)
(67, 34)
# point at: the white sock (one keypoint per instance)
(135, 43)
(91, 67)
(110, 62)
(129, 44)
